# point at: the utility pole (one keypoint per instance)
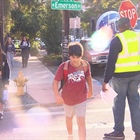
(1, 22)
(65, 22)
(65, 34)
(65, 6)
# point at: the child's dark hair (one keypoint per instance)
(75, 48)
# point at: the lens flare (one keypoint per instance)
(101, 38)
(37, 120)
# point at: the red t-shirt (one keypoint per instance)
(74, 90)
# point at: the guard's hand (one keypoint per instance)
(59, 99)
(104, 87)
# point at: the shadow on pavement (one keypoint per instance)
(112, 138)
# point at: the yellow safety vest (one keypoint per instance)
(129, 58)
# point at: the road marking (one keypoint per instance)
(40, 114)
(63, 127)
(62, 112)
(43, 121)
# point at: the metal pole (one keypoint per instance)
(65, 34)
(65, 22)
(1, 22)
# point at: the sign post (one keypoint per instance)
(128, 9)
(65, 5)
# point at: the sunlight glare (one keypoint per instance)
(37, 118)
(101, 38)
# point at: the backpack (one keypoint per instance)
(65, 71)
(22, 47)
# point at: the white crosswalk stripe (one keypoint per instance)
(44, 120)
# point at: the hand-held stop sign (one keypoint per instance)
(128, 9)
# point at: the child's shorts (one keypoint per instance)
(79, 110)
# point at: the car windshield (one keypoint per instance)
(89, 45)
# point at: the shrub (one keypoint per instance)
(34, 48)
(52, 59)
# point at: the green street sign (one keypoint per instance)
(66, 5)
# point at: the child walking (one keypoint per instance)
(74, 91)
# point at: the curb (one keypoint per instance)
(28, 106)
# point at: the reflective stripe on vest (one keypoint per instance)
(129, 59)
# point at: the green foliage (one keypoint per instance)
(34, 48)
(97, 7)
(51, 34)
(8, 6)
(35, 19)
(74, 14)
(52, 59)
(25, 18)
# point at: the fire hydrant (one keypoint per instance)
(20, 83)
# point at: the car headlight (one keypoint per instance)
(94, 58)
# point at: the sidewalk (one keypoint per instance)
(39, 86)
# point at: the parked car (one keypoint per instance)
(42, 46)
(17, 46)
(93, 56)
(96, 48)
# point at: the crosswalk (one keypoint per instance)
(44, 118)
(48, 123)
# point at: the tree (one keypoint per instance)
(36, 19)
(26, 18)
(51, 34)
(8, 6)
(97, 8)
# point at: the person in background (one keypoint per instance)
(9, 49)
(74, 90)
(25, 51)
(4, 79)
(123, 67)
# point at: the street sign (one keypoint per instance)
(66, 5)
(74, 23)
(128, 9)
